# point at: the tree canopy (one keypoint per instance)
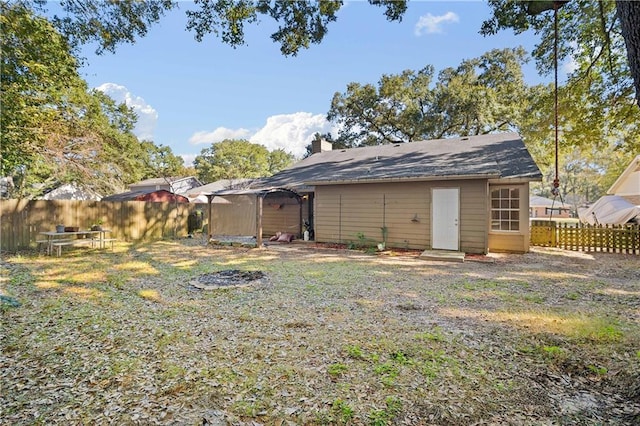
(300, 23)
(238, 159)
(159, 160)
(54, 129)
(482, 95)
(598, 36)
(107, 23)
(596, 27)
(598, 119)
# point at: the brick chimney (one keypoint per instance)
(320, 146)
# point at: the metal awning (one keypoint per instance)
(261, 194)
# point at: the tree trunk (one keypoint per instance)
(629, 16)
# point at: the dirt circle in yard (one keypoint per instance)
(230, 278)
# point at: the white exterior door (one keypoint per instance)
(445, 212)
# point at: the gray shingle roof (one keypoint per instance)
(126, 196)
(537, 201)
(162, 181)
(220, 185)
(502, 155)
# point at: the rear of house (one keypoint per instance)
(451, 215)
(467, 194)
(405, 211)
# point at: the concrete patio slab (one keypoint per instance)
(443, 255)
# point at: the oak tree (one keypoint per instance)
(237, 159)
(482, 95)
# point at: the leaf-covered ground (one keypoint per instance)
(328, 336)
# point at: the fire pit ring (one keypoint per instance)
(230, 278)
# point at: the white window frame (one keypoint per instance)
(505, 209)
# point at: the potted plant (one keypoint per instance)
(97, 225)
(60, 229)
(383, 245)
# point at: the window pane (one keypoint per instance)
(505, 209)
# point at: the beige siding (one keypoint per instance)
(517, 242)
(507, 243)
(474, 216)
(344, 212)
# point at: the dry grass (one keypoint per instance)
(332, 337)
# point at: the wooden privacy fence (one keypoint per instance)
(23, 220)
(585, 237)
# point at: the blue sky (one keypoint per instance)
(190, 94)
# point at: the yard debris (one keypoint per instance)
(338, 337)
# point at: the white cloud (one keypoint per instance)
(219, 134)
(188, 159)
(147, 115)
(290, 132)
(570, 65)
(429, 24)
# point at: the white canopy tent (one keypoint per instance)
(612, 210)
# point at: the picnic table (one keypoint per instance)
(91, 238)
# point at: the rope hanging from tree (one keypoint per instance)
(534, 8)
(556, 181)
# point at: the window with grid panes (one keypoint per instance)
(505, 209)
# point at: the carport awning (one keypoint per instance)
(203, 199)
(260, 192)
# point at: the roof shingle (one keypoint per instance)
(501, 155)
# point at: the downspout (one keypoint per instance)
(210, 219)
(259, 221)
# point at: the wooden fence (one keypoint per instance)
(22, 220)
(585, 237)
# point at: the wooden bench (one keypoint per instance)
(72, 242)
(107, 240)
(59, 244)
(50, 243)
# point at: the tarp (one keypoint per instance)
(612, 210)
